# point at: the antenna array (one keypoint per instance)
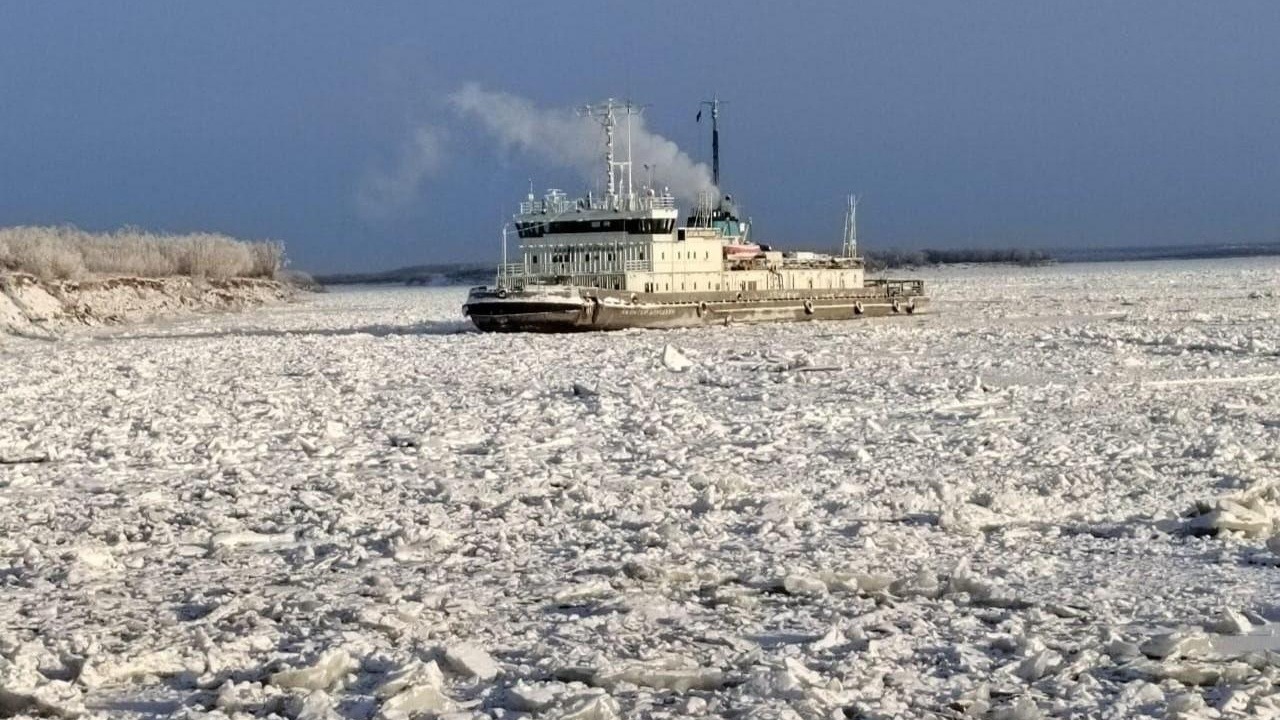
(849, 248)
(604, 113)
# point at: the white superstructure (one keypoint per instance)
(630, 241)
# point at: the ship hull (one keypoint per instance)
(587, 309)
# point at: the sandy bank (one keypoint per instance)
(29, 306)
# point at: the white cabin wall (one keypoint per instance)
(746, 280)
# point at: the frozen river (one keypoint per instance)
(1051, 497)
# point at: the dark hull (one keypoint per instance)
(602, 310)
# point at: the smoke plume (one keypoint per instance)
(562, 138)
(384, 193)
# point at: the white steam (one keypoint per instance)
(563, 138)
(385, 193)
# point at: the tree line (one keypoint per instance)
(880, 259)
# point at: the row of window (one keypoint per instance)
(666, 287)
(632, 226)
(706, 255)
(577, 255)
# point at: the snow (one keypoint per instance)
(1053, 497)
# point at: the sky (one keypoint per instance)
(363, 135)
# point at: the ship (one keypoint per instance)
(622, 260)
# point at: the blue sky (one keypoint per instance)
(978, 123)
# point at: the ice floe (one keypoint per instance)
(1053, 498)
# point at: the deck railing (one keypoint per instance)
(898, 288)
(557, 203)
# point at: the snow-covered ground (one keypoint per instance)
(356, 505)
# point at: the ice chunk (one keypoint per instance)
(1121, 650)
(968, 519)
(317, 705)
(416, 700)
(50, 699)
(583, 592)
(695, 706)
(793, 681)
(1189, 703)
(1038, 665)
(1233, 517)
(236, 539)
(96, 673)
(1021, 709)
(1175, 645)
(923, 583)
(524, 697)
(671, 674)
(674, 360)
(802, 673)
(592, 707)
(1232, 622)
(1202, 674)
(414, 689)
(321, 676)
(833, 639)
(243, 697)
(871, 583)
(472, 661)
(804, 585)
(415, 673)
(95, 557)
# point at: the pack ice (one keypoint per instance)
(1054, 497)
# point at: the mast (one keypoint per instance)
(603, 113)
(849, 248)
(714, 104)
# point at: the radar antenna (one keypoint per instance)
(603, 113)
(850, 247)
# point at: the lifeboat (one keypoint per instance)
(738, 251)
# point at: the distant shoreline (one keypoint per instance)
(447, 274)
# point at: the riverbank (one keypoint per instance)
(33, 307)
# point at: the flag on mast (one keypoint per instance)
(699, 116)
